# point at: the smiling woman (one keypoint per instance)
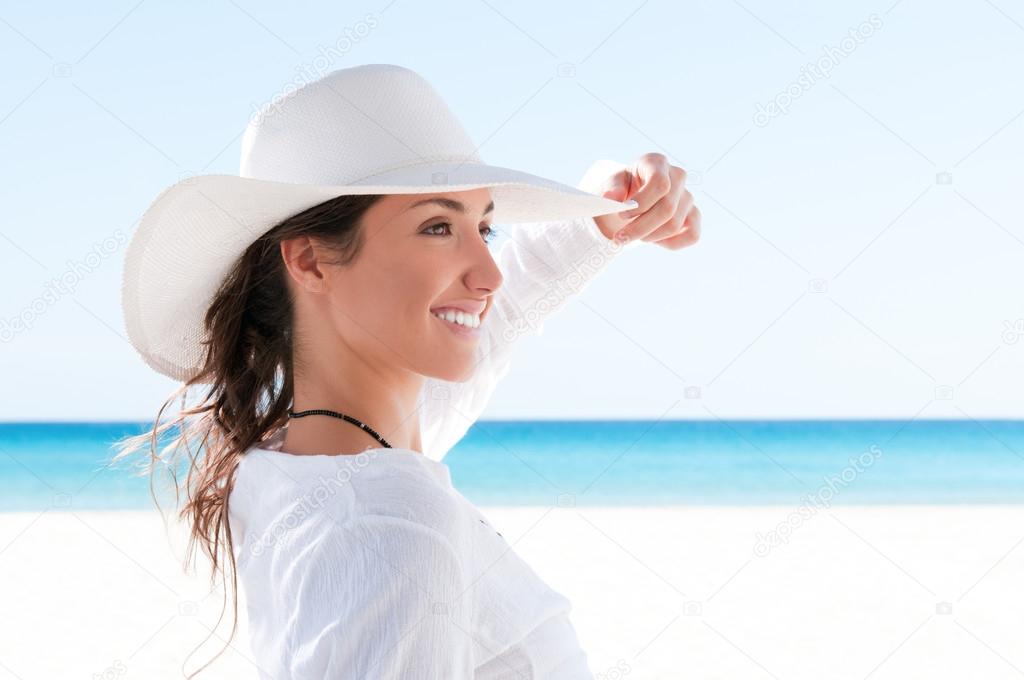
(461, 316)
(374, 321)
(349, 323)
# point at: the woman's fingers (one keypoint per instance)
(689, 234)
(676, 223)
(651, 173)
(666, 213)
(661, 187)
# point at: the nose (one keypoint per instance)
(483, 275)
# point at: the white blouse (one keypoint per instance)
(373, 565)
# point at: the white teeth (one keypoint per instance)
(459, 317)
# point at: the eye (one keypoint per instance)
(488, 232)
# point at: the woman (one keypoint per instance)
(341, 306)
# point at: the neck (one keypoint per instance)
(386, 403)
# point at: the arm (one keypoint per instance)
(544, 264)
(377, 597)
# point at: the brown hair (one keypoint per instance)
(247, 375)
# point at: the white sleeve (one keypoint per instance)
(543, 264)
(378, 597)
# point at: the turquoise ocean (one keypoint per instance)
(632, 462)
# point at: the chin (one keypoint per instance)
(457, 372)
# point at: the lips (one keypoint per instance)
(467, 306)
(459, 329)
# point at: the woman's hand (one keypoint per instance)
(666, 215)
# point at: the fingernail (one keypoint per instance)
(622, 236)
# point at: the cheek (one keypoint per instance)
(424, 275)
(391, 301)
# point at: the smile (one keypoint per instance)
(458, 316)
(460, 323)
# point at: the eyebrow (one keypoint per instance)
(449, 203)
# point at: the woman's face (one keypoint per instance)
(422, 255)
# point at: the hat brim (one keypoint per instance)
(195, 230)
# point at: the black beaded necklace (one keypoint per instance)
(364, 426)
(335, 414)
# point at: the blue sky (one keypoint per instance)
(862, 246)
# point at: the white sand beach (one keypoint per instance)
(667, 592)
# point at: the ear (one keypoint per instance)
(303, 261)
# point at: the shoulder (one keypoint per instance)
(275, 489)
(365, 542)
(372, 561)
(380, 537)
(407, 493)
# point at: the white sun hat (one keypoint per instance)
(370, 129)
